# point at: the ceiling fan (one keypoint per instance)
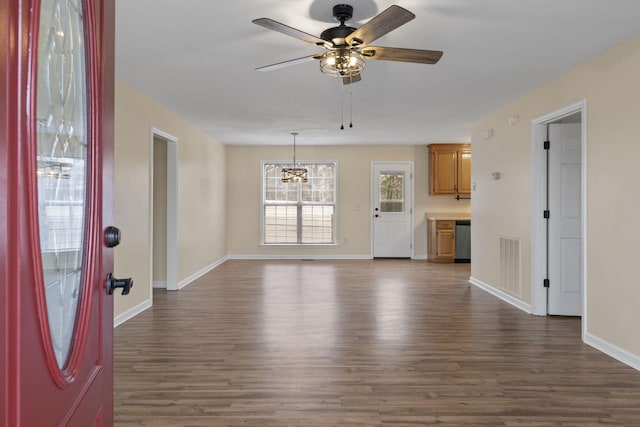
(347, 48)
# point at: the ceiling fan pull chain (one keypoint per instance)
(341, 105)
(350, 108)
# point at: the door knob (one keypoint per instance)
(112, 236)
(113, 284)
(376, 215)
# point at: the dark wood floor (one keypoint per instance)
(373, 343)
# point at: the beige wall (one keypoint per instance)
(201, 194)
(354, 171)
(609, 84)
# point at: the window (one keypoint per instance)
(299, 213)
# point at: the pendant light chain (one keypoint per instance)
(294, 148)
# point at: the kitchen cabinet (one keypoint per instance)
(450, 169)
(441, 240)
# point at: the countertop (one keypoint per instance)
(443, 216)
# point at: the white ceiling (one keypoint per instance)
(197, 58)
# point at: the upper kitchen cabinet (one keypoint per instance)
(450, 169)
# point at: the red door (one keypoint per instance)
(56, 143)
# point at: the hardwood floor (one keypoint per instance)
(373, 343)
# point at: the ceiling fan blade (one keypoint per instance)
(289, 62)
(352, 79)
(384, 22)
(402, 55)
(270, 24)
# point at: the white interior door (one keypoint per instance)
(392, 209)
(565, 220)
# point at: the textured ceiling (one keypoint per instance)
(197, 58)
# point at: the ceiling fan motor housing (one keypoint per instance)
(336, 34)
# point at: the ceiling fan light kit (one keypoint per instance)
(348, 48)
(342, 63)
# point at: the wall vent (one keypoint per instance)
(510, 266)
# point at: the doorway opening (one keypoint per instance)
(163, 215)
(559, 212)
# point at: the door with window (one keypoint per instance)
(392, 209)
(56, 120)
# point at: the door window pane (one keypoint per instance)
(62, 132)
(392, 192)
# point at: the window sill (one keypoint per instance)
(298, 246)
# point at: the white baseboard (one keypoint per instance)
(132, 312)
(285, 257)
(612, 350)
(502, 295)
(317, 257)
(200, 273)
(160, 284)
(609, 349)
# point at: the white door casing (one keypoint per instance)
(171, 262)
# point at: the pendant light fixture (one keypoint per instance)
(294, 174)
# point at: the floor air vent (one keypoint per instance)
(510, 277)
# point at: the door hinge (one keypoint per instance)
(547, 145)
(545, 283)
(546, 214)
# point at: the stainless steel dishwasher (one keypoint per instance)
(463, 241)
